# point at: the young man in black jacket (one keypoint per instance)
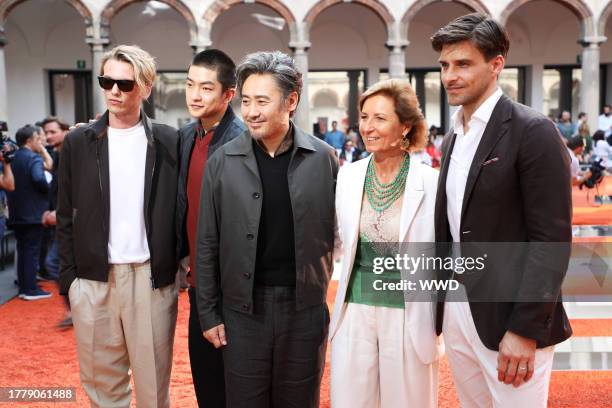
(209, 89)
(116, 231)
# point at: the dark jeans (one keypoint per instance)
(29, 238)
(52, 265)
(52, 259)
(276, 356)
(2, 226)
(48, 234)
(206, 362)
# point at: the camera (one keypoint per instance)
(7, 146)
(597, 175)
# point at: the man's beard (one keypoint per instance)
(257, 134)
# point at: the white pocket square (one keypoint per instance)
(493, 160)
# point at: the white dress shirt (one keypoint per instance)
(602, 151)
(575, 164)
(127, 152)
(605, 124)
(349, 155)
(462, 156)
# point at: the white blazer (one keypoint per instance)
(416, 225)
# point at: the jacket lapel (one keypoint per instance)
(441, 220)
(352, 203)
(496, 129)
(302, 143)
(413, 194)
(149, 167)
(228, 117)
(99, 137)
(243, 146)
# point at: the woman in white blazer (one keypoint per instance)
(384, 350)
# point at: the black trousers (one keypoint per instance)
(206, 362)
(276, 356)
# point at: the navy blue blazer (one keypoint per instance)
(30, 199)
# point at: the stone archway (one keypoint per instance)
(580, 9)
(475, 5)
(115, 6)
(605, 15)
(377, 7)
(219, 7)
(8, 5)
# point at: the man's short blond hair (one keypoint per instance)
(145, 69)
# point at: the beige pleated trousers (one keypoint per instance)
(120, 325)
(374, 363)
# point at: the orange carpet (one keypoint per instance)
(585, 213)
(34, 353)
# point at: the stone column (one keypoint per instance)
(589, 87)
(396, 44)
(3, 80)
(534, 86)
(98, 39)
(200, 40)
(373, 75)
(300, 44)
(397, 62)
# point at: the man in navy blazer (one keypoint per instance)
(27, 203)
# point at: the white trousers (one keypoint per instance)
(374, 364)
(474, 367)
(123, 324)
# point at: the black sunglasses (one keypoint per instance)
(124, 85)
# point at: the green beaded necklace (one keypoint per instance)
(380, 195)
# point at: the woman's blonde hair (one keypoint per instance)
(406, 107)
(143, 63)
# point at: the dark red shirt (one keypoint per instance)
(195, 174)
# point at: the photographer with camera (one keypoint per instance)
(7, 181)
(27, 203)
(575, 146)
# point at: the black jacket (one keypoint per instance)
(83, 208)
(228, 226)
(518, 191)
(29, 200)
(228, 129)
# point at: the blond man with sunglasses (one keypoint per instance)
(116, 233)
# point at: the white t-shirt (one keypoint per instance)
(127, 151)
